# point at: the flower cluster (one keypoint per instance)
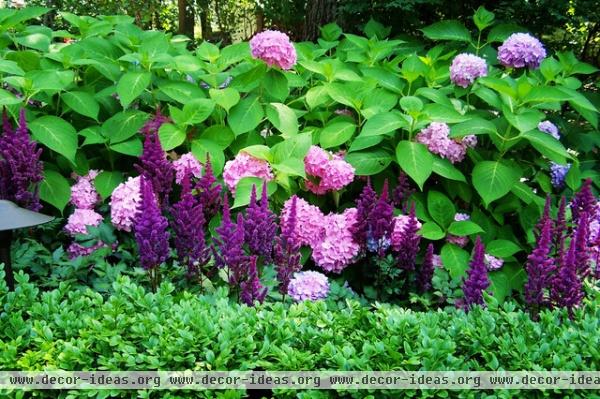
(80, 219)
(124, 203)
(380, 224)
(20, 165)
(251, 288)
(259, 226)
(308, 223)
(477, 281)
(187, 163)
(83, 192)
(465, 68)
(493, 263)
(209, 192)
(229, 249)
(558, 173)
(425, 276)
(287, 250)
(326, 171)
(245, 165)
(274, 48)
(407, 246)
(550, 128)
(335, 248)
(308, 285)
(540, 266)
(521, 50)
(436, 138)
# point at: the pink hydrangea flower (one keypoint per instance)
(436, 138)
(521, 50)
(309, 221)
(457, 240)
(470, 141)
(83, 192)
(400, 223)
(308, 285)
(187, 162)
(124, 203)
(336, 248)
(245, 165)
(75, 249)
(274, 48)
(80, 219)
(466, 68)
(326, 171)
(459, 217)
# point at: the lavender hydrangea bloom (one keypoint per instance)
(426, 272)
(567, 288)
(153, 162)
(309, 286)
(124, 203)
(558, 173)
(274, 48)
(188, 226)
(521, 50)
(380, 223)
(364, 206)
(550, 128)
(465, 68)
(260, 226)
(83, 192)
(493, 263)
(459, 217)
(20, 165)
(251, 289)
(151, 229)
(477, 278)
(287, 250)
(540, 266)
(209, 193)
(229, 250)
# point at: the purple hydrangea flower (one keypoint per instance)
(436, 138)
(188, 226)
(153, 162)
(521, 50)
(80, 219)
(426, 272)
(287, 250)
(477, 278)
(308, 286)
(259, 226)
(187, 163)
(493, 263)
(20, 165)
(83, 192)
(151, 229)
(274, 48)
(558, 173)
(540, 266)
(550, 128)
(466, 68)
(124, 203)
(229, 250)
(251, 289)
(459, 217)
(460, 241)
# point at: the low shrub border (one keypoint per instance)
(133, 329)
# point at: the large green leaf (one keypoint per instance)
(83, 103)
(464, 228)
(443, 167)
(7, 98)
(493, 179)
(201, 147)
(226, 98)
(131, 85)
(283, 118)
(447, 30)
(194, 112)
(294, 147)
(276, 85)
(416, 160)
(440, 208)
(367, 163)
(170, 136)
(502, 248)
(123, 125)
(243, 190)
(55, 189)
(336, 133)
(107, 181)
(455, 259)
(132, 147)
(56, 134)
(432, 231)
(182, 92)
(548, 146)
(246, 115)
(472, 126)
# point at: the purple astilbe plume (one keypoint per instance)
(287, 251)
(151, 233)
(402, 192)
(209, 193)
(583, 201)
(380, 223)
(426, 273)
(409, 242)
(229, 250)
(477, 278)
(251, 289)
(560, 230)
(567, 288)
(582, 250)
(364, 206)
(188, 225)
(540, 267)
(153, 162)
(259, 226)
(20, 165)
(545, 216)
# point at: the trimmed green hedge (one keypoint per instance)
(136, 330)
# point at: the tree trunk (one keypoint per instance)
(204, 19)
(318, 13)
(186, 17)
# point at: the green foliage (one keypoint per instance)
(133, 329)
